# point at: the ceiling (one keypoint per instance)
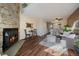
(50, 11)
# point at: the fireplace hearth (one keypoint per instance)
(10, 36)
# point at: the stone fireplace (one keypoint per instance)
(10, 36)
(9, 18)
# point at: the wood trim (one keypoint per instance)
(73, 17)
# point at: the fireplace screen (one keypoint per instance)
(10, 36)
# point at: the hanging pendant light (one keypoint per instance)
(24, 5)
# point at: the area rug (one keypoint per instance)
(60, 47)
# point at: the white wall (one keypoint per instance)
(41, 27)
(39, 24)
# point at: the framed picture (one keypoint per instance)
(29, 25)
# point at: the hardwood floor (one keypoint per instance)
(33, 48)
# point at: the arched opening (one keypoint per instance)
(75, 26)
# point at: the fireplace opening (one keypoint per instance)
(10, 36)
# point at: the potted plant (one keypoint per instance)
(66, 28)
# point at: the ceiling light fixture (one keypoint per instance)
(24, 5)
(59, 19)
